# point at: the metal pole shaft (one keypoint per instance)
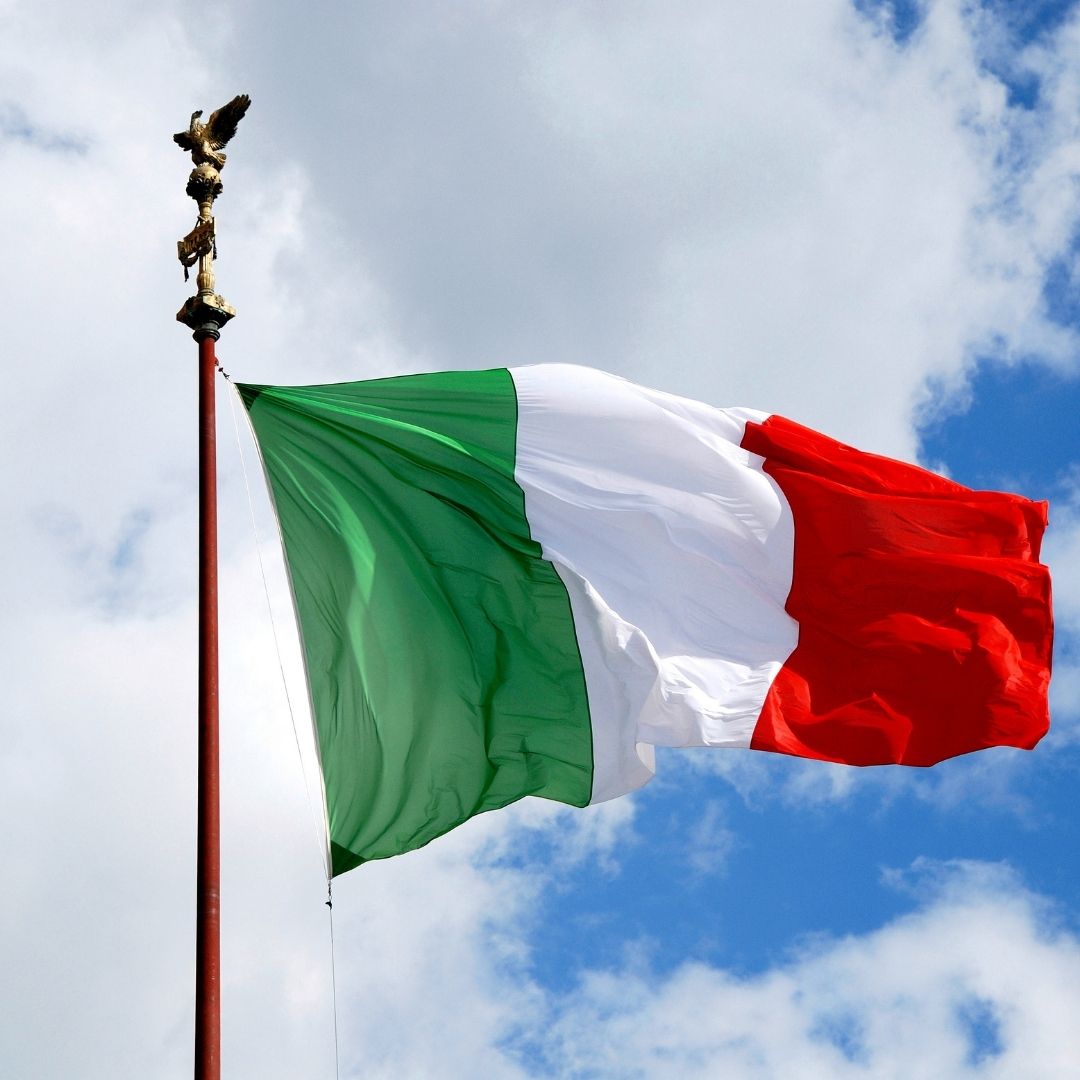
(208, 883)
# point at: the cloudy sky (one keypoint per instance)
(861, 214)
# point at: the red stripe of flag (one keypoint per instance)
(925, 628)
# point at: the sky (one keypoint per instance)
(862, 215)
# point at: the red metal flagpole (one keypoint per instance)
(208, 876)
(206, 313)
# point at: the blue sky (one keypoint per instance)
(860, 215)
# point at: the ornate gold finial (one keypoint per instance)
(206, 312)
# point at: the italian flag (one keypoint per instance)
(519, 582)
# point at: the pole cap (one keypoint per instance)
(206, 314)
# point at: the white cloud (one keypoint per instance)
(711, 841)
(978, 981)
(827, 220)
(1062, 553)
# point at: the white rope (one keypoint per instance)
(315, 816)
(333, 977)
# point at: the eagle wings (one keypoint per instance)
(205, 141)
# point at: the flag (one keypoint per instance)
(519, 582)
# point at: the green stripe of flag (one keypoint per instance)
(443, 664)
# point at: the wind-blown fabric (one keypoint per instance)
(518, 582)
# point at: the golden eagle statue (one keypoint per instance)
(205, 141)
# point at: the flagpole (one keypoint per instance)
(205, 314)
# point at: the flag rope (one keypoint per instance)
(273, 628)
(333, 975)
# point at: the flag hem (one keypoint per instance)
(328, 864)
